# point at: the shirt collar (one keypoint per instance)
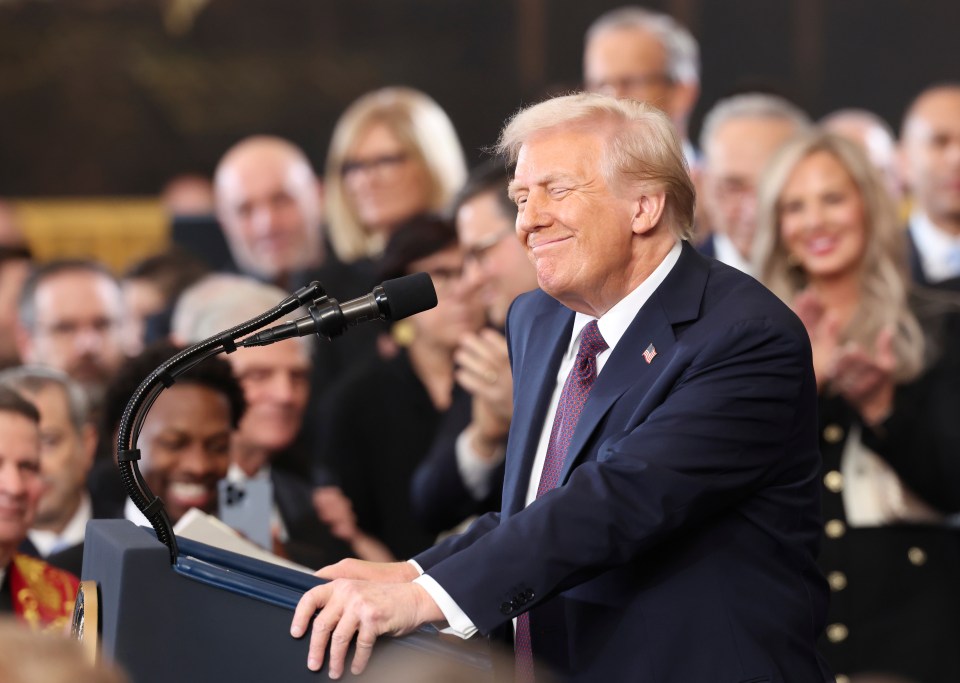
(614, 323)
(47, 542)
(934, 246)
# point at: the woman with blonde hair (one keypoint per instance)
(829, 245)
(394, 154)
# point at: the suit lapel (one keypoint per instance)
(543, 352)
(675, 301)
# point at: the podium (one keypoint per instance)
(218, 616)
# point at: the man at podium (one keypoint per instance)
(660, 511)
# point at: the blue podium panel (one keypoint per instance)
(219, 616)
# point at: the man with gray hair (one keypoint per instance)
(740, 135)
(661, 484)
(67, 444)
(647, 56)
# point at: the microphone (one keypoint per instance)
(392, 300)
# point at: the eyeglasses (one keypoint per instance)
(628, 83)
(379, 163)
(444, 279)
(477, 252)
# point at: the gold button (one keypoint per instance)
(837, 581)
(843, 679)
(917, 556)
(835, 528)
(833, 480)
(837, 633)
(833, 433)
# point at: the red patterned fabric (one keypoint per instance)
(574, 395)
(43, 595)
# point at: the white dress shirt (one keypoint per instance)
(727, 253)
(613, 324)
(939, 250)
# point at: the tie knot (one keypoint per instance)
(591, 341)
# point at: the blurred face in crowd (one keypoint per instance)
(495, 264)
(875, 140)
(734, 158)
(78, 327)
(823, 218)
(631, 62)
(268, 204)
(931, 155)
(385, 181)
(276, 385)
(13, 273)
(185, 447)
(457, 311)
(66, 455)
(141, 299)
(20, 484)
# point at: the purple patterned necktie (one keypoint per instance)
(576, 389)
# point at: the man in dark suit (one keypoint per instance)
(660, 505)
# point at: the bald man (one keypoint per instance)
(268, 202)
(930, 164)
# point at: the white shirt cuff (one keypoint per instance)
(458, 623)
(475, 470)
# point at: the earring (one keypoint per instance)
(403, 333)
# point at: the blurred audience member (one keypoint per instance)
(739, 136)
(829, 244)
(15, 265)
(150, 289)
(876, 137)
(10, 233)
(185, 439)
(188, 194)
(27, 657)
(71, 318)
(276, 384)
(67, 443)
(40, 595)
(463, 473)
(381, 419)
(648, 56)
(268, 203)
(394, 154)
(930, 156)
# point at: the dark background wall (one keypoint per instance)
(115, 96)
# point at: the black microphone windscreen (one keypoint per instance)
(409, 294)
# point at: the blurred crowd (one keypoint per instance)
(373, 445)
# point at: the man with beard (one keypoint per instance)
(70, 318)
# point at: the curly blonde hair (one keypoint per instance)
(884, 273)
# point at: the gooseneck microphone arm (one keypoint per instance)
(164, 376)
(392, 300)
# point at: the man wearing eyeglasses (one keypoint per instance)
(71, 319)
(647, 56)
(463, 474)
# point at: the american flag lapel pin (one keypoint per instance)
(649, 354)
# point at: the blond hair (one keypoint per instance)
(643, 147)
(884, 276)
(427, 133)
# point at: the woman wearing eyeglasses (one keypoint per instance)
(394, 154)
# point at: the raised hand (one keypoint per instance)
(865, 379)
(823, 327)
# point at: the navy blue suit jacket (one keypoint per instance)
(680, 546)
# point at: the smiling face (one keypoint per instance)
(185, 445)
(576, 229)
(822, 218)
